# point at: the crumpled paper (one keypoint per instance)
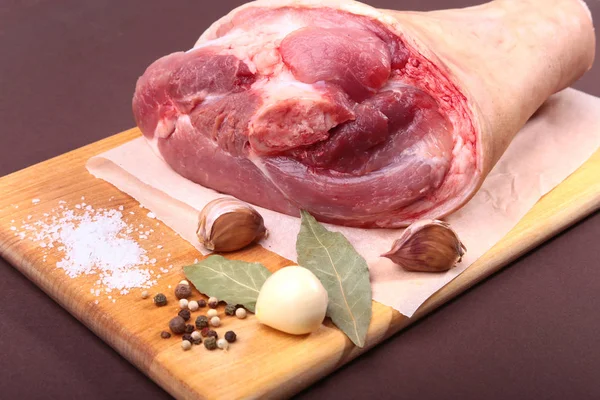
(558, 139)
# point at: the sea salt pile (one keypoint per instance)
(94, 242)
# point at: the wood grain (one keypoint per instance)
(264, 362)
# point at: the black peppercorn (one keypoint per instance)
(185, 314)
(165, 335)
(160, 300)
(201, 303)
(210, 343)
(201, 322)
(189, 328)
(188, 337)
(230, 309)
(197, 341)
(212, 333)
(177, 325)
(183, 291)
(230, 336)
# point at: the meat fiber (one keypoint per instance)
(360, 116)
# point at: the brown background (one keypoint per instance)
(69, 66)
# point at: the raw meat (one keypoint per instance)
(362, 117)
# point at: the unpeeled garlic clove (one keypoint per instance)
(427, 246)
(228, 224)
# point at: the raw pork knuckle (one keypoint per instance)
(362, 117)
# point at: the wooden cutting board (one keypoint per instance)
(264, 362)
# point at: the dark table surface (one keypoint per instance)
(67, 73)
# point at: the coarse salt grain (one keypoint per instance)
(34, 201)
(151, 215)
(94, 242)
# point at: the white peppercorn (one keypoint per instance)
(215, 321)
(183, 304)
(240, 313)
(212, 313)
(193, 305)
(222, 344)
(184, 282)
(186, 345)
(196, 335)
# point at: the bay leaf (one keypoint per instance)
(342, 271)
(232, 281)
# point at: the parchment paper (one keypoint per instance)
(558, 139)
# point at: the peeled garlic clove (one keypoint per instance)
(292, 300)
(427, 246)
(228, 224)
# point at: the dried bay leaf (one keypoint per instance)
(232, 281)
(343, 273)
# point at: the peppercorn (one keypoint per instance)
(197, 341)
(186, 345)
(204, 332)
(160, 300)
(240, 313)
(193, 305)
(212, 313)
(210, 343)
(215, 321)
(196, 335)
(183, 304)
(230, 336)
(212, 333)
(188, 337)
(230, 309)
(184, 282)
(189, 328)
(201, 322)
(165, 335)
(177, 325)
(145, 294)
(222, 344)
(185, 314)
(183, 291)
(213, 302)
(201, 303)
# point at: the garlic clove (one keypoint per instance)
(292, 300)
(427, 246)
(227, 224)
